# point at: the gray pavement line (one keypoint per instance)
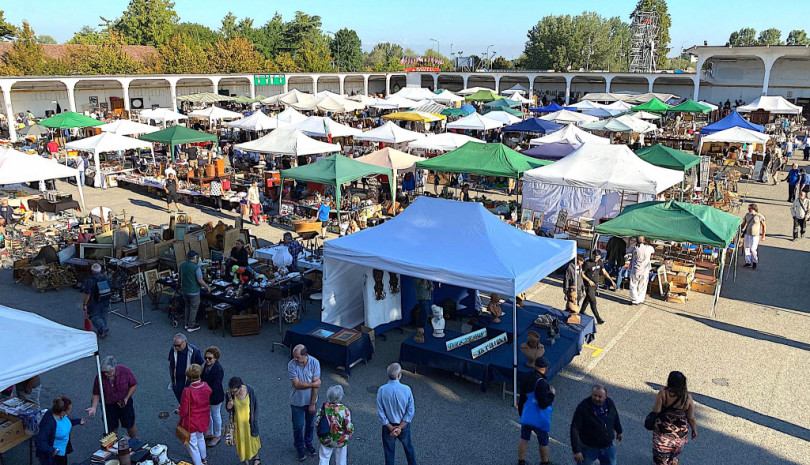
(609, 346)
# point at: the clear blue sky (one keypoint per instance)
(469, 25)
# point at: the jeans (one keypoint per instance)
(192, 304)
(390, 444)
(196, 448)
(590, 298)
(750, 244)
(424, 311)
(325, 453)
(81, 177)
(799, 226)
(98, 316)
(215, 423)
(606, 456)
(303, 428)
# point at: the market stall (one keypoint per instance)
(214, 113)
(775, 104)
(104, 143)
(442, 142)
(564, 116)
(561, 143)
(258, 121)
(502, 116)
(389, 133)
(322, 126)
(125, 127)
(652, 106)
(17, 167)
(482, 159)
(288, 98)
(161, 115)
(177, 135)
(534, 125)
(490, 255)
(475, 122)
(482, 95)
(447, 97)
(732, 120)
(398, 162)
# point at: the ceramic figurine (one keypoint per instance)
(420, 336)
(532, 348)
(437, 321)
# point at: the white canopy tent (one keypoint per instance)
(591, 182)
(17, 167)
(645, 115)
(624, 123)
(618, 105)
(571, 134)
(472, 90)
(413, 93)
(444, 142)
(584, 105)
(390, 133)
(517, 96)
(503, 117)
(258, 121)
(287, 98)
(517, 88)
(490, 255)
(364, 99)
(317, 126)
(446, 96)
(475, 122)
(773, 104)
(214, 113)
(398, 162)
(56, 345)
(106, 142)
(328, 103)
(161, 115)
(737, 135)
(125, 127)
(394, 102)
(567, 116)
(290, 116)
(707, 104)
(288, 141)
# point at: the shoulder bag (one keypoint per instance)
(180, 432)
(533, 415)
(652, 417)
(324, 428)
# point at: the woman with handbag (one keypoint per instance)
(674, 413)
(194, 415)
(212, 376)
(242, 404)
(53, 439)
(339, 419)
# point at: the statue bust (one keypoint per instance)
(420, 336)
(437, 320)
(494, 307)
(532, 348)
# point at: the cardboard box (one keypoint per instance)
(11, 435)
(370, 331)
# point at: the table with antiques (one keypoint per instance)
(331, 344)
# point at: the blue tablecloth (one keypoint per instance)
(526, 316)
(433, 354)
(325, 351)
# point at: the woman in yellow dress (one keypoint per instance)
(241, 404)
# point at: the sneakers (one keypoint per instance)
(191, 329)
(311, 450)
(754, 266)
(104, 333)
(302, 456)
(747, 265)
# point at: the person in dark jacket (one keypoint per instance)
(544, 395)
(53, 440)
(182, 355)
(592, 429)
(572, 284)
(213, 375)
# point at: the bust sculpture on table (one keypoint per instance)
(420, 336)
(437, 320)
(532, 348)
(494, 307)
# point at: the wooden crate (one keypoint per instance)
(244, 325)
(704, 286)
(13, 434)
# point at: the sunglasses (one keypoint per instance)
(178, 345)
(209, 358)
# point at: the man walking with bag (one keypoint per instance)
(534, 406)
(96, 302)
(800, 210)
(592, 428)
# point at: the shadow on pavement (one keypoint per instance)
(748, 332)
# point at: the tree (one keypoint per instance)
(108, 57)
(285, 63)
(314, 57)
(384, 56)
(236, 56)
(182, 55)
(346, 48)
(45, 39)
(797, 37)
(549, 43)
(745, 37)
(664, 22)
(87, 36)
(196, 33)
(304, 28)
(502, 63)
(770, 36)
(26, 56)
(7, 30)
(147, 22)
(268, 39)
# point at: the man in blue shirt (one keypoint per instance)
(793, 182)
(804, 181)
(396, 410)
(305, 375)
(323, 215)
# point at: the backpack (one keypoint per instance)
(101, 289)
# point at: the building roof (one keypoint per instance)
(139, 53)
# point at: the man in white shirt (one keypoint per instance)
(640, 270)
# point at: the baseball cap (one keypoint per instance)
(191, 254)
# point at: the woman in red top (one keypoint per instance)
(195, 413)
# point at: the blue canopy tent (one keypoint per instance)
(490, 255)
(551, 108)
(553, 151)
(732, 120)
(535, 125)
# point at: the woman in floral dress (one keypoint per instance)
(675, 411)
(340, 426)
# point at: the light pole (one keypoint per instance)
(490, 61)
(438, 46)
(337, 50)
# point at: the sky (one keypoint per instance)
(469, 26)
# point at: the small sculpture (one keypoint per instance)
(379, 287)
(420, 336)
(532, 348)
(494, 307)
(437, 321)
(393, 283)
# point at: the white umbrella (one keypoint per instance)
(390, 133)
(475, 122)
(106, 142)
(503, 117)
(125, 127)
(442, 142)
(288, 141)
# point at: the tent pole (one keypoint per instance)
(719, 284)
(81, 192)
(393, 185)
(514, 351)
(101, 387)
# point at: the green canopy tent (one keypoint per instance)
(689, 106)
(511, 111)
(666, 157)
(680, 222)
(176, 135)
(205, 97)
(502, 103)
(653, 106)
(456, 112)
(336, 170)
(483, 159)
(244, 100)
(68, 120)
(483, 96)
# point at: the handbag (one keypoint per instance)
(229, 428)
(652, 418)
(180, 432)
(324, 429)
(535, 416)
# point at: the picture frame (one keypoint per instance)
(321, 333)
(345, 336)
(165, 274)
(95, 251)
(94, 100)
(526, 215)
(151, 277)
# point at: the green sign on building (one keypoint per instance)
(269, 79)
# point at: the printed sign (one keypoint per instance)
(422, 69)
(269, 79)
(286, 209)
(478, 351)
(466, 339)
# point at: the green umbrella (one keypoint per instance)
(653, 106)
(483, 96)
(69, 120)
(178, 135)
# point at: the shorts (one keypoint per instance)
(526, 434)
(172, 197)
(123, 415)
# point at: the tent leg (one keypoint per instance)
(81, 192)
(101, 391)
(514, 352)
(719, 284)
